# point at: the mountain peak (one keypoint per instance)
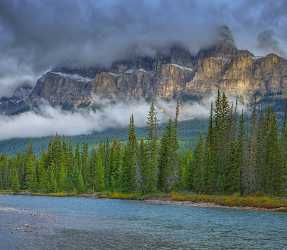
(172, 72)
(224, 44)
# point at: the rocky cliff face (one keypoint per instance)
(17, 102)
(169, 75)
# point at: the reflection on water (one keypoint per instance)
(81, 223)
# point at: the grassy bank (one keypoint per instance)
(256, 202)
(263, 202)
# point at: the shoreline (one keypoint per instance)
(213, 205)
(250, 203)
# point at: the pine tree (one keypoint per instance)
(260, 151)
(198, 167)
(210, 155)
(233, 154)
(115, 165)
(14, 178)
(152, 149)
(77, 173)
(129, 174)
(43, 175)
(241, 152)
(222, 141)
(100, 170)
(185, 170)
(168, 159)
(165, 170)
(52, 178)
(84, 162)
(91, 177)
(144, 168)
(30, 171)
(70, 161)
(283, 144)
(106, 161)
(273, 174)
(174, 149)
(249, 174)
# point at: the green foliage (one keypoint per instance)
(152, 151)
(236, 156)
(130, 166)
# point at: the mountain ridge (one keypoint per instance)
(172, 73)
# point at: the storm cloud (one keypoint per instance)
(39, 34)
(267, 40)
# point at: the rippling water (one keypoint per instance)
(82, 223)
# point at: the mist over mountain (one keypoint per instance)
(37, 35)
(85, 61)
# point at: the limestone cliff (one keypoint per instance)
(169, 75)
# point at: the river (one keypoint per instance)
(31, 222)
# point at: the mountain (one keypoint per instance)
(171, 73)
(17, 102)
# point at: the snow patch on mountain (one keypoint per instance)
(181, 67)
(74, 77)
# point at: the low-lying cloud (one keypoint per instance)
(50, 121)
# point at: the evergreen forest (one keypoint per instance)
(240, 153)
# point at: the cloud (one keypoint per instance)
(268, 41)
(13, 75)
(50, 32)
(249, 19)
(50, 121)
(37, 35)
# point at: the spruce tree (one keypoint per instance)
(30, 170)
(249, 174)
(106, 162)
(241, 152)
(168, 159)
(130, 167)
(210, 154)
(115, 165)
(152, 148)
(84, 163)
(91, 177)
(14, 179)
(144, 168)
(77, 173)
(198, 167)
(283, 144)
(100, 170)
(165, 168)
(43, 175)
(273, 174)
(185, 172)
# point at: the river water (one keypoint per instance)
(85, 223)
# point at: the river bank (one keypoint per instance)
(78, 223)
(267, 203)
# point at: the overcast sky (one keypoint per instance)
(35, 35)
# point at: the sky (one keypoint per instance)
(39, 34)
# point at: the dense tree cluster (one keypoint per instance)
(237, 155)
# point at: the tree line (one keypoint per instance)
(240, 153)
